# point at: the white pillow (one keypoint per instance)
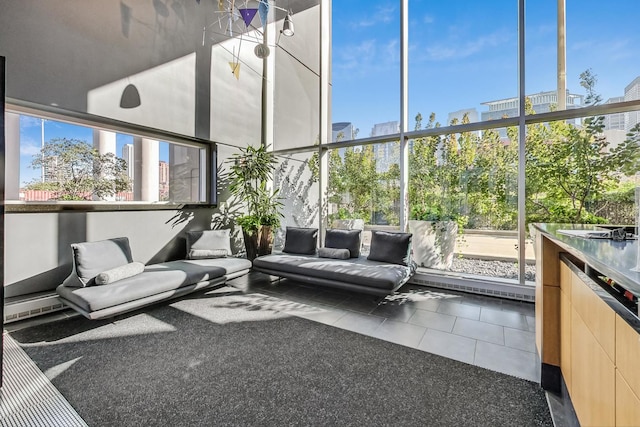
(119, 273)
(207, 253)
(209, 240)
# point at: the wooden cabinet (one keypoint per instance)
(599, 355)
(592, 377)
(627, 404)
(565, 324)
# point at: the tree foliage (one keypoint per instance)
(472, 176)
(74, 170)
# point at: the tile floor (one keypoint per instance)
(489, 332)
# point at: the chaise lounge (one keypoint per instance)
(338, 264)
(105, 280)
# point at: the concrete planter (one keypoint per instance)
(433, 243)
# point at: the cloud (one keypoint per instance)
(453, 50)
(367, 57)
(29, 148)
(29, 122)
(382, 15)
(428, 19)
(611, 50)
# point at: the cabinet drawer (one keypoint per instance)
(628, 354)
(627, 404)
(596, 314)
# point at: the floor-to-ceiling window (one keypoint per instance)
(465, 88)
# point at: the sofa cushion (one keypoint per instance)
(334, 253)
(390, 247)
(207, 253)
(92, 258)
(119, 273)
(155, 279)
(344, 239)
(359, 271)
(300, 240)
(208, 240)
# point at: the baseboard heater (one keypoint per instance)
(482, 286)
(32, 307)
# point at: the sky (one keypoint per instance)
(464, 53)
(461, 54)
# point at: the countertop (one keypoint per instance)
(615, 259)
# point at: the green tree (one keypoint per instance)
(569, 166)
(75, 170)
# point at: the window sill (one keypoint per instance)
(43, 207)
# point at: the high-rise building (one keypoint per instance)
(127, 155)
(617, 120)
(163, 179)
(631, 93)
(541, 103)
(471, 113)
(385, 152)
(342, 131)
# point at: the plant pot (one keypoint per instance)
(433, 243)
(258, 243)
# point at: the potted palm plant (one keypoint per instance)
(250, 171)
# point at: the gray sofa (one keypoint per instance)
(387, 267)
(105, 280)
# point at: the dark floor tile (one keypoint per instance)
(303, 292)
(507, 360)
(431, 320)
(479, 330)
(400, 333)
(448, 345)
(510, 319)
(460, 310)
(397, 312)
(331, 297)
(362, 303)
(524, 308)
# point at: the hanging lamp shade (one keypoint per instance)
(287, 27)
(130, 97)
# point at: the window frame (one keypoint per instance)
(103, 123)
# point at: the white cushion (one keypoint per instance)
(119, 273)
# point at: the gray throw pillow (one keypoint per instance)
(119, 273)
(334, 253)
(344, 239)
(209, 240)
(92, 258)
(390, 247)
(300, 240)
(207, 253)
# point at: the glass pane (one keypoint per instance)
(597, 62)
(364, 189)
(463, 203)
(582, 173)
(56, 161)
(462, 57)
(365, 69)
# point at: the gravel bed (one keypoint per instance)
(504, 269)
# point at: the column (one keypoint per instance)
(146, 172)
(105, 142)
(12, 156)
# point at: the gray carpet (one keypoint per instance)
(226, 359)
